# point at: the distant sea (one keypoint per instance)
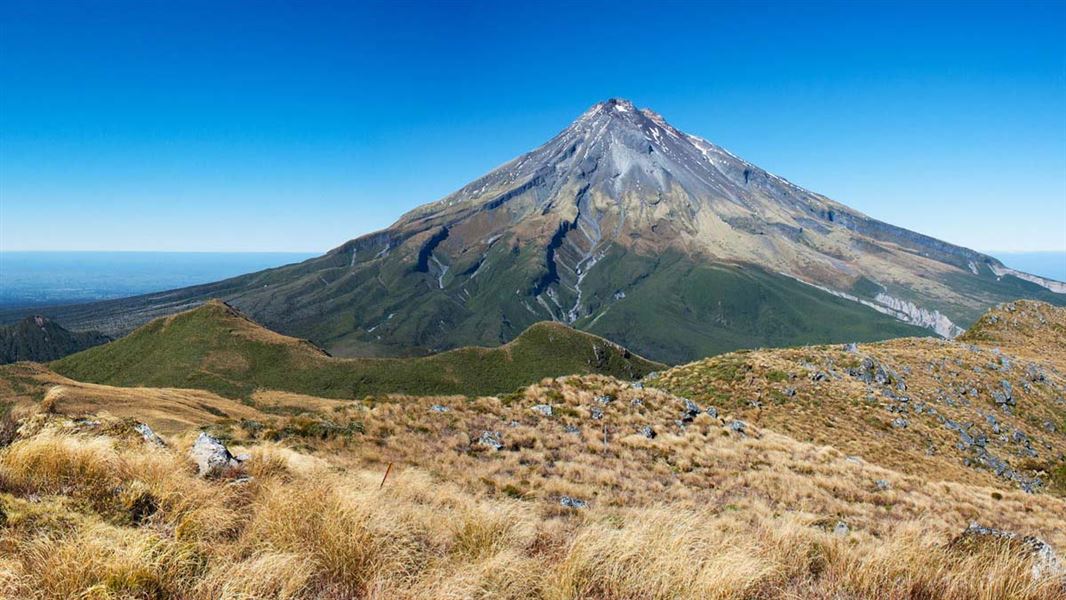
(1044, 264)
(49, 278)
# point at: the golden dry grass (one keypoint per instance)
(701, 513)
(809, 394)
(168, 410)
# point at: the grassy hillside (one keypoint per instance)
(980, 412)
(1031, 329)
(689, 310)
(570, 506)
(215, 348)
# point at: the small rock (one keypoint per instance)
(1049, 427)
(637, 385)
(1034, 374)
(851, 347)
(712, 412)
(490, 439)
(882, 485)
(149, 435)
(841, 529)
(572, 429)
(439, 408)
(900, 423)
(691, 410)
(648, 432)
(211, 456)
(738, 426)
(544, 409)
(597, 414)
(569, 502)
(605, 399)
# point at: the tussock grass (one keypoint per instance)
(303, 528)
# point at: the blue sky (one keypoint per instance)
(285, 126)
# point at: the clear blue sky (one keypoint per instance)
(298, 125)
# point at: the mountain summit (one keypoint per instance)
(624, 226)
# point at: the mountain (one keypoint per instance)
(216, 348)
(41, 339)
(623, 226)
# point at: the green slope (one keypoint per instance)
(39, 339)
(688, 310)
(214, 347)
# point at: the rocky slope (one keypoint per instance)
(626, 227)
(989, 407)
(40, 339)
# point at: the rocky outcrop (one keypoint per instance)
(211, 456)
(912, 313)
(1049, 284)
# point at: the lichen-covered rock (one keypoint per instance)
(149, 435)
(569, 502)
(490, 439)
(211, 456)
(544, 409)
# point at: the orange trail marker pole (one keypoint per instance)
(387, 471)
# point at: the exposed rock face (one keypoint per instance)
(1055, 286)
(211, 456)
(913, 313)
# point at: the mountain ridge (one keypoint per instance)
(215, 347)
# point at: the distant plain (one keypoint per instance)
(49, 278)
